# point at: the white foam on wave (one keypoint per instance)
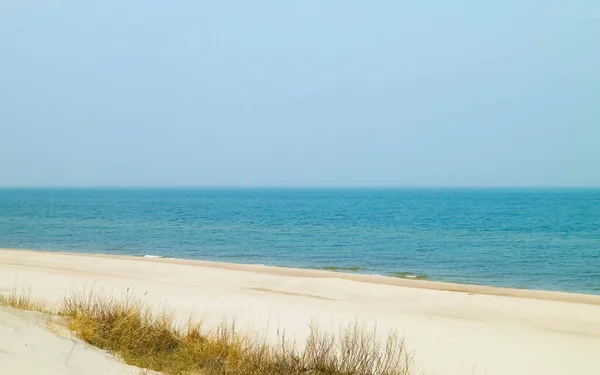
(153, 256)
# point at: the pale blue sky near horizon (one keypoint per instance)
(300, 93)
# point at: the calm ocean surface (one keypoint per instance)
(534, 239)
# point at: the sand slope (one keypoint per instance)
(467, 330)
(28, 347)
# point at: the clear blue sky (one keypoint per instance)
(300, 93)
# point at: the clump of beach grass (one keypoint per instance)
(141, 337)
(24, 301)
(150, 339)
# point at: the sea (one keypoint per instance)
(545, 239)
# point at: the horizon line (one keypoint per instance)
(297, 187)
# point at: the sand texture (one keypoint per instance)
(451, 329)
(30, 344)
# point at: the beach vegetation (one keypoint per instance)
(150, 339)
(23, 301)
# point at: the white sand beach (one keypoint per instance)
(451, 329)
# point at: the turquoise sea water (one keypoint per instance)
(535, 239)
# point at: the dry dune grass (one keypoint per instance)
(23, 301)
(141, 337)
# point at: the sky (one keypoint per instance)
(300, 93)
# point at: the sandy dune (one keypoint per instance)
(31, 345)
(452, 329)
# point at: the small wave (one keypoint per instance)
(408, 275)
(341, 269)
(153, 256)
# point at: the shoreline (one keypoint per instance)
(544, 295)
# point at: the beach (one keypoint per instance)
(449, 328)
(299, 188)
